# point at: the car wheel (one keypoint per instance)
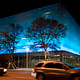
(76, 78)
(40, 77)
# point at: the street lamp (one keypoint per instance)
(27, 49)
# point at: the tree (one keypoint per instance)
(9, 38)
(47, 33)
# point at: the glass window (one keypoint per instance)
(60, 66)
(39, 65)
(50, 65)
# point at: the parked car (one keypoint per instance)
(2, 70)
(51, 70)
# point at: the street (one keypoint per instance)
(17, 76)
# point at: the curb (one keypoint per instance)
(19, 70)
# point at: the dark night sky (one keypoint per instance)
(10, 7)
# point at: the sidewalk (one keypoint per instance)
(20, 70)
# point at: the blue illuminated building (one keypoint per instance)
(70, 43)
(55, 11)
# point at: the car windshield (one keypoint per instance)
(68, 65)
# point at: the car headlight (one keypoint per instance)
(5, 70)
(33, 74)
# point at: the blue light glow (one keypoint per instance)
(56, 11)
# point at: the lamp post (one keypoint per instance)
(27, 49)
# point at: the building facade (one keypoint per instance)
(28, 60)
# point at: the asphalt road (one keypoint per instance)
(17, 76)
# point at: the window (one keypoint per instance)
(50, 65)
(39, 65)
(60, 66)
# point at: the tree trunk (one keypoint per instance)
(45, 55)
(61, 58)
(11, 64)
